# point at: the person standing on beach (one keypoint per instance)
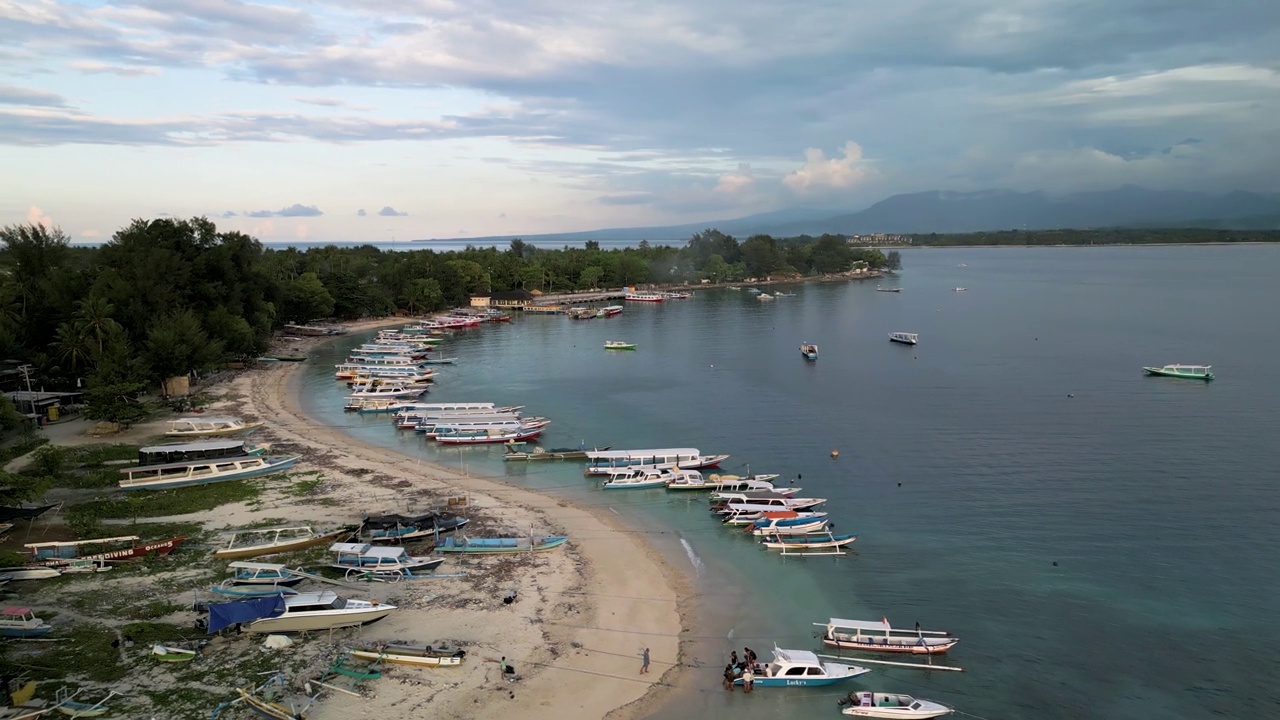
(644, 668)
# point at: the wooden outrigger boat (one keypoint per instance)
(261, 701)
(1186, 372)
(788, 522)
(173, 652)
(198, 426)
(175, 453)
(403, 528)
(203, 472)
(826, 543)
(455, 544)
(258, 542)
(403, 653)
(360, 558)
(67, 706)
(116, 549)
(549, 454)
(492, 436)
(262, 574)
(604, 461)
(880, 636)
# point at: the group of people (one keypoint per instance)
(744, 669)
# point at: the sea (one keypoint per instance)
(1103, 543)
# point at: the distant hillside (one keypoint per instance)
(988, 210)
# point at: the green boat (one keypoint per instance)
(1186, 372)
(173, 653)
(619, 345)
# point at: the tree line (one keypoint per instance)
(1100, 236)
(166, 297)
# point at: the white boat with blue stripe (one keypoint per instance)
(203, 472)
(801, 668)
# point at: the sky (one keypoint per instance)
(398, 119)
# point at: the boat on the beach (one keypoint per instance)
(199, 426)
(28, 572)
(482, 436)
(905, 338)
(258, 542)
(114, 549)
(882, 637)
(379, 559)
(514, 453)
(174, 453)
(173, 652)
(801, 668)
(263, 701)
(323, 610)
(809, 351)
(888, 289)
(244, 572)
(403, 528)
(822, 543)
(655, 297)
(891, 705)
(203, 472)
(618, 345)
(1186, 372)
(21, 622)
(602, 461)
(456, 544)
(410, 653)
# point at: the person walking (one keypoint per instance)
(645, 667)
(747, 678)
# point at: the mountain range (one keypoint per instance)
(939, 211)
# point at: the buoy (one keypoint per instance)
(899, 484)
(1055, 563)
(835, 454)
(1071, 394)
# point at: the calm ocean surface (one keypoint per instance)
(1019, 433)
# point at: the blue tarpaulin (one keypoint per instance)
(227, 614)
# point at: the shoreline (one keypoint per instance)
(605, 559)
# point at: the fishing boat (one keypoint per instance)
(198, 426)
(324, 610)
(457, 426)
(514, 453)
(1186, 372)
(809, 351)
(753, 290)
(261, 701)
(115, 549)
(72, 708)
(637, 479)
(602, 461)
(888, 289)
(490, 436)
(739, 483)
(251, 591)
(723, 501)
(826, 543)
(410, 653)
(882, 637)
(654, 297)
(891, 705)
(173, 652)
(22, 622)
(386, 389)
(787, 522)
(26, 711)
(905, 338)
(440, 361)
(454, 544)
(783, 294)
(244, 572)
(801, 668)
(315, 330)
(678, 295)
(618, 345)
(258, 542)
(203, 472)
(687, 480)
(403, 528)
(201, 450)
(366, 557)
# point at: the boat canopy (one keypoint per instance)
(204, 446)
(227, 614)
(15, 611)
(78, 543)
(268, 567)
(873, 625)
(637, 454)
(797, 657)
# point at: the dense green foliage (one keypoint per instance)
(169, 297)
(1103, 236)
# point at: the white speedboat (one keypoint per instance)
(891, 705)
(905, 338)
(801, 668)
(636, 479)
(324, 610)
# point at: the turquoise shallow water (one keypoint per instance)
(1019, 432)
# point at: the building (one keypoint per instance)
(878, 239)
(510, 299)
(50, 405)
(480, 301)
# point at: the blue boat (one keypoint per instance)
(21, 622)
(499, 545)
(801, 668)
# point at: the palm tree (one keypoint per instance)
(73, 346)
(93, 316)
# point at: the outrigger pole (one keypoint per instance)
(917, 666)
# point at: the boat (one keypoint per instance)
(258, 542)
(28, 572)
(115, 549)
(678, 295)
(611, 310)
(490, 436)
(324, 610)
(459, 426)
(1186, 372)
(24, 513)
(26, 711)
(740, 483)
(905, 338)
(72, 708)
(22, 622)
(788, 522)
(22, 703)
(513, 453)
(440, 361)
(377, 559)
(960, 289)
(891, 705)
(198, 426)
(203, 472)
(456, 544)
(635, 479)
(602, 461)
(764, 296)
(403, 528)
(618, 345)
(753, 290)
(655, 297)
(173, 652)
(809, 351)
(783, 294)
(882, 637)
(801, 668)
(733, 287)
(827, 543)
(244, 572)
(885, 289)
(251, 591)
(315, 330)
(261, 701)
(408, 653)
(200, 450)
(760, 501)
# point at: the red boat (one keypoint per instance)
(117, 549)
(491, 436)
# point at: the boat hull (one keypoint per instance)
(169, 483)
(760, 681)
(263, 550)
(900, 648)
(25, 632)
(1161, 372)
(480, 546)
(415, 660)
(214, 431)
(307, 622)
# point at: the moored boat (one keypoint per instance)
(619, 345)
(654, 297)
(455, 544)
(891, 705)
(889, 289)
(1186, 372)
(905, 338)
(611, 310)
(635, 479)
(801, 668)
(823, 543)
(200, 426)
(809, 350)
(513, 453)
(883, 637)
(602, 461)
(490, 436)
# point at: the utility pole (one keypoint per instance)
(26, 375)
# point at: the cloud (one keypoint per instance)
(14, 95)
(229, 214)
(361, 213)
(36, 216)
(90, 67)
(389, 211)
(820, 172)
(737, 182)
(295, 210)
(321, 101)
